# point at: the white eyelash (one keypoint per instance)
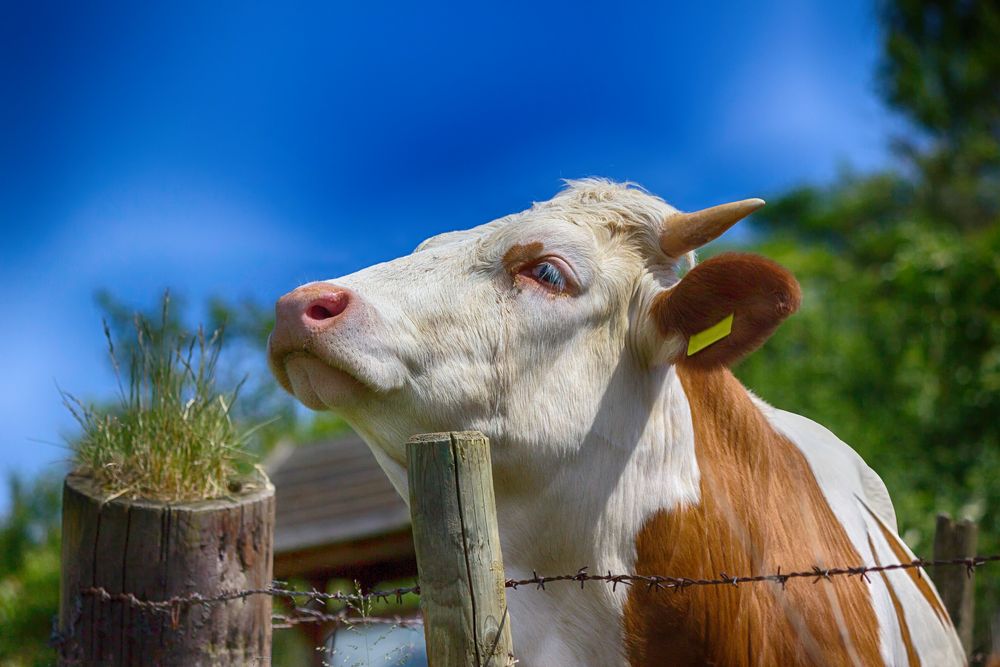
(557, 280)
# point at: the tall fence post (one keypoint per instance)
(457, 543)
(956, 539)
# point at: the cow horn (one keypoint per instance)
(684, 232)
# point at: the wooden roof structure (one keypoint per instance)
(337, 515)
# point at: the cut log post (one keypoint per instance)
(956, 539)
(457, 543)
(157, 551)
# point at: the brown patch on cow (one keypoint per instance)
(759, 294)
(904, 630)
(919, 577)
(761, 509)
(520, 254)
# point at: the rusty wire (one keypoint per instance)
(278, 591)
(660, 582)
(298, 614)
(302, 614)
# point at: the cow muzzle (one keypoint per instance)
(306, 314)
(306, 320)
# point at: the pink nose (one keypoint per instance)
(316, 305)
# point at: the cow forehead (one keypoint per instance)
(603, 209)
(603, 202)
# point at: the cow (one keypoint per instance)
(582, 337)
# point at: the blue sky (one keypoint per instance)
(241, 150)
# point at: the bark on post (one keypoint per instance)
(455, 535)
(956, 539)
(156, 551)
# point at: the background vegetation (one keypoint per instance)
(897, 346)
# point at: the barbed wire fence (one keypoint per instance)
(299, 599)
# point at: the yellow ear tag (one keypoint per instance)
(713, 334)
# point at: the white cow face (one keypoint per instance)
(532, 328)
(514, 328)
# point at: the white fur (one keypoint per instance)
(591, 430)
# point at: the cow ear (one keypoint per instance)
(726, 307)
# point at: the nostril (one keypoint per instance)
(318, 312)
(327, 306)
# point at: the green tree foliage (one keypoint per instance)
(29, 571)
(942, 70)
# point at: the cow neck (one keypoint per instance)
(590, 497)
(584, 504)
(761, 509)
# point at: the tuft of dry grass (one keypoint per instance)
(169, 437)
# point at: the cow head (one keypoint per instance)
(523, 327)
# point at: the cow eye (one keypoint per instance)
(549, 274)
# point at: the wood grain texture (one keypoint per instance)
(956, 586)
(457, 542)
(156, 551)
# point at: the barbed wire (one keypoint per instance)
(278, 591)
(303, 614)
(659, 582)
(298, 615)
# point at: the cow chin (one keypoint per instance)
(320, 386)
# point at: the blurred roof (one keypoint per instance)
(336, 510)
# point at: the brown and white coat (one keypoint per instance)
(561, 333)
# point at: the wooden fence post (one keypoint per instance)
(956, 539)
(156, 551)
(457, 543)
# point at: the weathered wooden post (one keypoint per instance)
(455, 535)
(156, 551)
(956, 539)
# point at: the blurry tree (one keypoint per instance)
(942, 70)
(29, 571)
